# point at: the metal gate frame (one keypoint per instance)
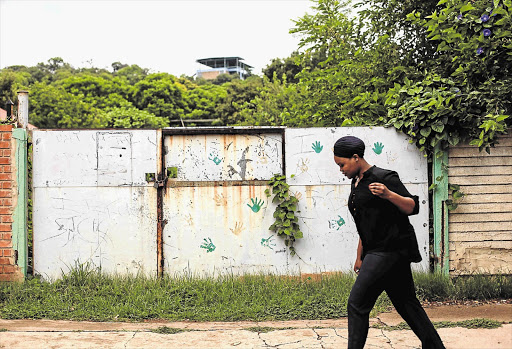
(161, 180)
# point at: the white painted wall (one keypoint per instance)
(205, 216)
(93, 204)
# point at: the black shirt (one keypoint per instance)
(380, 224)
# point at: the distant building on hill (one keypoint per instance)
(223, 65)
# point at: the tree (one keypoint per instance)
(132, 73)
(103, 91)
(10, 83)
(131, 118)
(288, 67)
(276, 104)
(239, 94)
(54, 107)
(466, 92)
(162, 95)
(202, 101)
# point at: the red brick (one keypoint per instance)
(5, 176)
(5, 193)
(5, 210)
(5, 144)
(9, 269)
(7, 169)
(6, 185)
(6, 136)
(5, 128)
(6, 260)
(7, 252)
(7, 236)
(7, 153)
(5, 243)
(5, 161)
(5, 227)
(6, 219)
(7, 202)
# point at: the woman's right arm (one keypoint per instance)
(359, 261)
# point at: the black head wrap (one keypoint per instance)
(347, 146)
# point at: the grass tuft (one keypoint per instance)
(168, 330)
(473, 323)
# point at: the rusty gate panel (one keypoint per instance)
(224, 157)
(218, 229)
(92, 203)
(216, 212)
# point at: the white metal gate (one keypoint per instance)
(191, 200)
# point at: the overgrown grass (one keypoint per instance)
(437, 287)
(473, 323)
(89, 295)
(86, 294)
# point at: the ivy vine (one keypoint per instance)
(286, 222)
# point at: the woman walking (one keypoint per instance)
(380, 205)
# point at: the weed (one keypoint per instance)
(263, 329)
(473, 323)
(3, 330)
(168, 330)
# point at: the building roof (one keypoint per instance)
(218, 62)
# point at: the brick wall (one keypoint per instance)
(9, 271)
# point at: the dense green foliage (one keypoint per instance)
(126, 97)
(438, 71)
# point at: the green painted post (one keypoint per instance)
(440, 195)
(20, 215)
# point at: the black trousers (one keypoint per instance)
(391, 273)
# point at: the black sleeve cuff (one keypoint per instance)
(416, 205)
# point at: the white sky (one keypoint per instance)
(164, 36)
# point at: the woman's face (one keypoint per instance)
(348, 166)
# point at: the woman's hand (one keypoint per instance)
(380, 190)
(357, 265)
(404, 204)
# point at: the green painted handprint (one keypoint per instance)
(214, 158)
(377, 148)
(256, 205)
(317, 147)
(336, 223)
(268, 242)
(208, 245)
(340, 221)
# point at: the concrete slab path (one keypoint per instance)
(34, 334)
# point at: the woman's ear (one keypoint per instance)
(355, 156)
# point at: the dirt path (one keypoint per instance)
(35, 334)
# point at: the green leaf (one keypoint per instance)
(298, 235)
(466, 8)
(454, 187)
(438, 127)
(425, 132)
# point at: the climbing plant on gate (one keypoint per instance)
(286, 222)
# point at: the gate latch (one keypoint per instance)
(159, 181)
